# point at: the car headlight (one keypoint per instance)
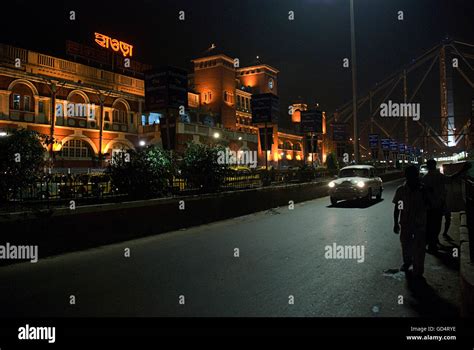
(332, 184)
(360, 184)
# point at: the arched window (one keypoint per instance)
(287, 145)
(77, 105)
(120, 113)
(77, 149)
(297, 147)
(21, 98)
(76, 98)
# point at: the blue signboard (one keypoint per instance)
(339, 132)
(374, 141)
(166, 87)
(312, 121)
(393, 146)
(385, 144)
(401, 148)
(265, 108)
(269, 137)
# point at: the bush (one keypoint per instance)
(201, 169)
(145, 173)
(332, 164)
(306, 173)
(21, 161)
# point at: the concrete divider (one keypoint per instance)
(62, 230)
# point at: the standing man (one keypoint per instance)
(409, 215)
(434, 182)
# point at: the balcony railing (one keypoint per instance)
(199, 129)
(8, 55)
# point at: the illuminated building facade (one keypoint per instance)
(37, 88)
(225, 91)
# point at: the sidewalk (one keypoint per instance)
(467, 271)
(443, 297)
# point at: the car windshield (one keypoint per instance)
(354, 172)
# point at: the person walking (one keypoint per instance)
(409, 215)
(435, 182)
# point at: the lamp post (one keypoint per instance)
(54, 88)
(354, 86)
(102, 96)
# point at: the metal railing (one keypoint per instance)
(58, 189)
(469, 198)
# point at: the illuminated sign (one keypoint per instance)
(114, 44)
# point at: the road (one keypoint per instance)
(281, 270)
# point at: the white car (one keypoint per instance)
(355, 182)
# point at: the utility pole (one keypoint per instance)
(371, 113)
(54, 89)
(405, 97)
(354, 86)
(102, 96)
(266, 151)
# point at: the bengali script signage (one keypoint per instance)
(114, 44)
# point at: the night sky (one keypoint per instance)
(308, 51)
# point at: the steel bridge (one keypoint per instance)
(442, 130)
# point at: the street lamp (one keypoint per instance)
(354, 86)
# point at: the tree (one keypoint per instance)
(145, 173)
(201, 169)
(21, 161)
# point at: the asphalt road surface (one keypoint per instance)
(281, 269)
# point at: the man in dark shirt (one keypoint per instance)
(411, 205)
(435, 182)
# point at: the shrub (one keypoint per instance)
(21, 161)
(200, 167)
(145, 173)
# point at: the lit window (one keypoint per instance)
(154, 118)
(207, 97)
(76, 149)
(26, 103)
(120, 117)
(16, 101)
